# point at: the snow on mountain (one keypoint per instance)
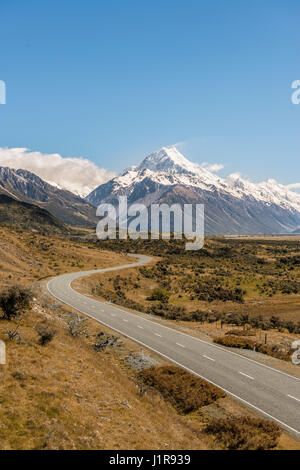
(233, 204)
(169, 167)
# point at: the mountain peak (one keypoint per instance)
(169, 160)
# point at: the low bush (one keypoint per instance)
(244, 433)
(46, 334)
(183, 390)
(246, 343)
(14, 301)
(159, 294)
(235, 342)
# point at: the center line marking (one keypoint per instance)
(113, 314)
(181, 345)
(156, 334)
(124, 319)
(249, 376)
(291, 396)
(210, 358)
(141, 327)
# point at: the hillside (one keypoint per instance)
(64, 205)
(26, 216)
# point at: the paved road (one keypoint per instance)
(272, 393)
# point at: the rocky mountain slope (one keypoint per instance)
(232, 205)
(25, 186)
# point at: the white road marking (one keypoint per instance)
(210, 358)
(157, 334)
(248, 376)
(124, 319)
(141, 327)
(291, 396)
(113, 314)
(181, 345)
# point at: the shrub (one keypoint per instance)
(244, 433)
(76, 326)
(183, 390)
(46, 334)
(105, 341)
(159, 294)
(13, 335)
(15, 300)
(235, 342)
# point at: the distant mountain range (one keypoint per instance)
(25, 186)
(232, 205)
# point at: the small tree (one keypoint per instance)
(14, 300)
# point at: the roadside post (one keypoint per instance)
(2, 353)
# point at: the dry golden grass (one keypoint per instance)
(65, 395)
(26, 257)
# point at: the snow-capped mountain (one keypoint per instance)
(25, 186)
(232, 204)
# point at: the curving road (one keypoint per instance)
(272, 393)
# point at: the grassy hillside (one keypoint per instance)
(26, 216)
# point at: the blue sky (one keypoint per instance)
(113, 80)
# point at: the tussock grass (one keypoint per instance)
(244, 433)
(183, 390)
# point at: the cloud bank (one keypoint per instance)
(78, 175)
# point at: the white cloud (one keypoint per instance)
(78, 175)
(213, 167)
(293, 186)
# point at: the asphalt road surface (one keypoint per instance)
(272, 393)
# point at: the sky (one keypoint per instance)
(104, 83)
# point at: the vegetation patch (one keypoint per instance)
(183, 390)
(14, 300)
(244, 433)
(246, 343)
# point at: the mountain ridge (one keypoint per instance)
(233, 205)
(25, 186)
